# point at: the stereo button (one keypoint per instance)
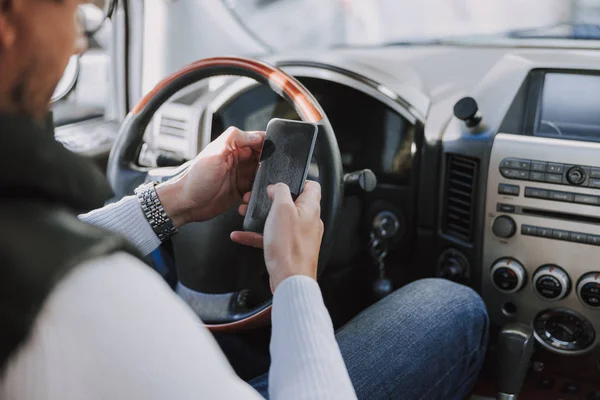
(578, 237)
(515, 163)
(544, 232)
(521, 164)
(595, 173)
(528, 230)
(537, 176)
(560, 235)
(553, 178)
(509, 208)
(511, 190)
(536, 193)
(593, 239)
(510, 173)
(560, 196)
(540, 166)
(555, 168)
(586, 199)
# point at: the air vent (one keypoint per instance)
(460, 199)
(172, 126)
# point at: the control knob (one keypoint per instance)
(504, 227)
(386, 224)
(454, 266)
(551, 282)
(588, 289)
(508, 275)
(576, 175)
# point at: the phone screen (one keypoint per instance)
(285, 157)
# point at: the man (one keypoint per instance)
(84, 318)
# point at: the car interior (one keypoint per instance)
(470, 157)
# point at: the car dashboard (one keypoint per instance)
(507, 202)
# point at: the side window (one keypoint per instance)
(83, 91)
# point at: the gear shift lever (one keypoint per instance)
(515, 348)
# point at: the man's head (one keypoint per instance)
(37, 37)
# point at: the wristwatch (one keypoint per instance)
(156, 215)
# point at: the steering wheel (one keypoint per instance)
(228, 311)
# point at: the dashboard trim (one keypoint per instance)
(379, 91)
(240, 86)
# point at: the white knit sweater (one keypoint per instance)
(112, 329)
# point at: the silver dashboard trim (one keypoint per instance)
(381, 92)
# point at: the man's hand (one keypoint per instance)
(292, 234)
(215, 180)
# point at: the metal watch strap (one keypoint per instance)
(153, 210)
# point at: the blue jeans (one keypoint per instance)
(427, 341)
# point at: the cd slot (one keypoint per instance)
(560, 215)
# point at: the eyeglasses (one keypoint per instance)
(91, 17)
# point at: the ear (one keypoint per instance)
(8, 31)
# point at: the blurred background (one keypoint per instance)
(285, 24)
(177, 32)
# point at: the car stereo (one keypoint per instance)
(542, 230)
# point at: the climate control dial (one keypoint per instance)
(551, 282)
(508, 275)
(588, 289)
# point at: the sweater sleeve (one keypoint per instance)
(113, 329)
(127, 219)
(306, 362)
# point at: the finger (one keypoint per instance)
(280, 195)
(246, 197)
(251, 239)
(243, 209)
(310, 199)
(236, 138)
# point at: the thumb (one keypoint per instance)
(280, 194)
(236, 138)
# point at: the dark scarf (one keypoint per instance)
(35, 166)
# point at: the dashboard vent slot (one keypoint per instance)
(172, 126)
(458, 218)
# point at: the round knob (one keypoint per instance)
(454, 266)
(551, 282)
(576, 175)
(504, 227)
(466, 109)
(588, 289)
(508, 275)
(386, 224)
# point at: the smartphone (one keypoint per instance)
(285, 157)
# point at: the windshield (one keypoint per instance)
(305, 24)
